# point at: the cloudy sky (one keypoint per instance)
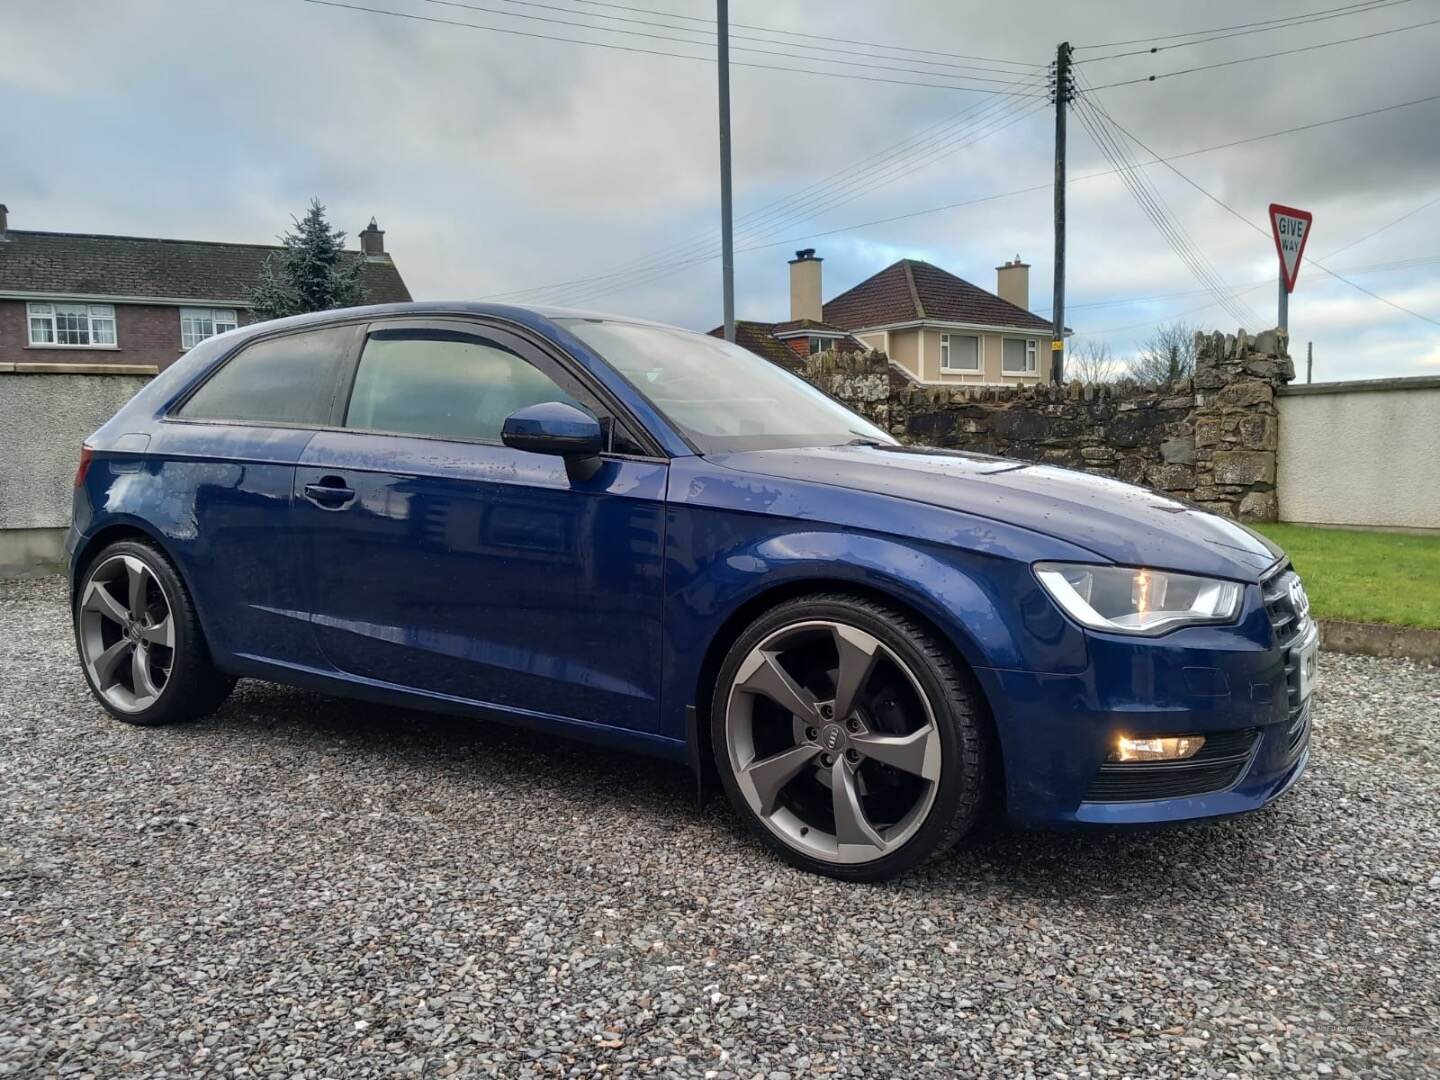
(499, 162)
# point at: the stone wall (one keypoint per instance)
(1211, 440)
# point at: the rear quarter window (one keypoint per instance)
(283, 380)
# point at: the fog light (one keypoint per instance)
(1167, 748)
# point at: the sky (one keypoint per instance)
(499, 162)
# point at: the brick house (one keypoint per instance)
(124, 303)
(939, 328)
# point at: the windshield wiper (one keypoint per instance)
(862, 441)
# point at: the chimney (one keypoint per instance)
(805, 286)
(372, 240)
(1012, 283)
(4, 222)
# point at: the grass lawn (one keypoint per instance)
(1366, 576)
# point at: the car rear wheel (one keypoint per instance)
(140, 642)
(848, 737)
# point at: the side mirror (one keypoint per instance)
(553, 427)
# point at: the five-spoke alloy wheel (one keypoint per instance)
(139, 640)
(127, 633)
(847, 736)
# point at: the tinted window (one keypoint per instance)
(286, 380)
(445, 384)
(722, 397)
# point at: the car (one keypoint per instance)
(649, 538)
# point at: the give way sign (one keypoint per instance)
(1291, 228)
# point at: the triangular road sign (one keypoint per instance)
(1291, 228)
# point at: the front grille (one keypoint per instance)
(1291, 628)
(1216, 767)
(1289, 625)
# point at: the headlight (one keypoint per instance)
(1129, 601)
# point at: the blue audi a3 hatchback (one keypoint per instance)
(649, 538)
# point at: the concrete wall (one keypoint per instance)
(1361, 453)
(45, 418)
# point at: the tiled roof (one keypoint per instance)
(796, 325)
(759, 338)
(910, 290)
(88, 265)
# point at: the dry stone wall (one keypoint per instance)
(1210, 440)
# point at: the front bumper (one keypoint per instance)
(1231, 684)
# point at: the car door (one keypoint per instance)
(220, 471)
(445, 562)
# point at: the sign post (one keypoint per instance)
(1291, 228)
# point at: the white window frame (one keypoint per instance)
(945, 358)
(1032, 357)
(220, 320)
(44, 315)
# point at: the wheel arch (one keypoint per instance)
(100, 539)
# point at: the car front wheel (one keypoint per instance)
(140, 642)
(848, 737)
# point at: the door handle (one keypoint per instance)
(329, 493)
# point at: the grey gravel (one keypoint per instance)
(305, 887)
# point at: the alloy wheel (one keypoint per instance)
(833, 742)
(127, 633)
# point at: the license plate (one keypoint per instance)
(1307, 662)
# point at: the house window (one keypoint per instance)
(84, 325)
(820, 344)
(1020, 357)
(959, 352)
(199, 323)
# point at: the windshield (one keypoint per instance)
(720, 396)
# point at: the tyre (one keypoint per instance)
(140, 642)
(848, 737)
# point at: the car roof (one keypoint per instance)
(540, 318)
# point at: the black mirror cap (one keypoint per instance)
(553, 427)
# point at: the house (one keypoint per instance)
(804, 333)
(939, 328)
(127, 303)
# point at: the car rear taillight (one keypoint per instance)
(86, 454)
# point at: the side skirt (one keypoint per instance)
(342, 684)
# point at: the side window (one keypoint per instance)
(451, 385)
(286, 380)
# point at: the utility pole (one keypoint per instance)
(727, 238)
(1062, 101)
(1309, 359)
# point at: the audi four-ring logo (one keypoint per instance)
(1298, 600)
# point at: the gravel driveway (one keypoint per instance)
(304, 887)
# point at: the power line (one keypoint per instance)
(797, 33)
(869, 174)
(1242, 31)
(646, 265)
(659, 52)
(1151, 322)
(909, 215)
(1263, 232)
(1161, 216)
(1267, 56)
(1376, 232)
(756, 232)
(707, 27)
(708, 43)
(1370, 268)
